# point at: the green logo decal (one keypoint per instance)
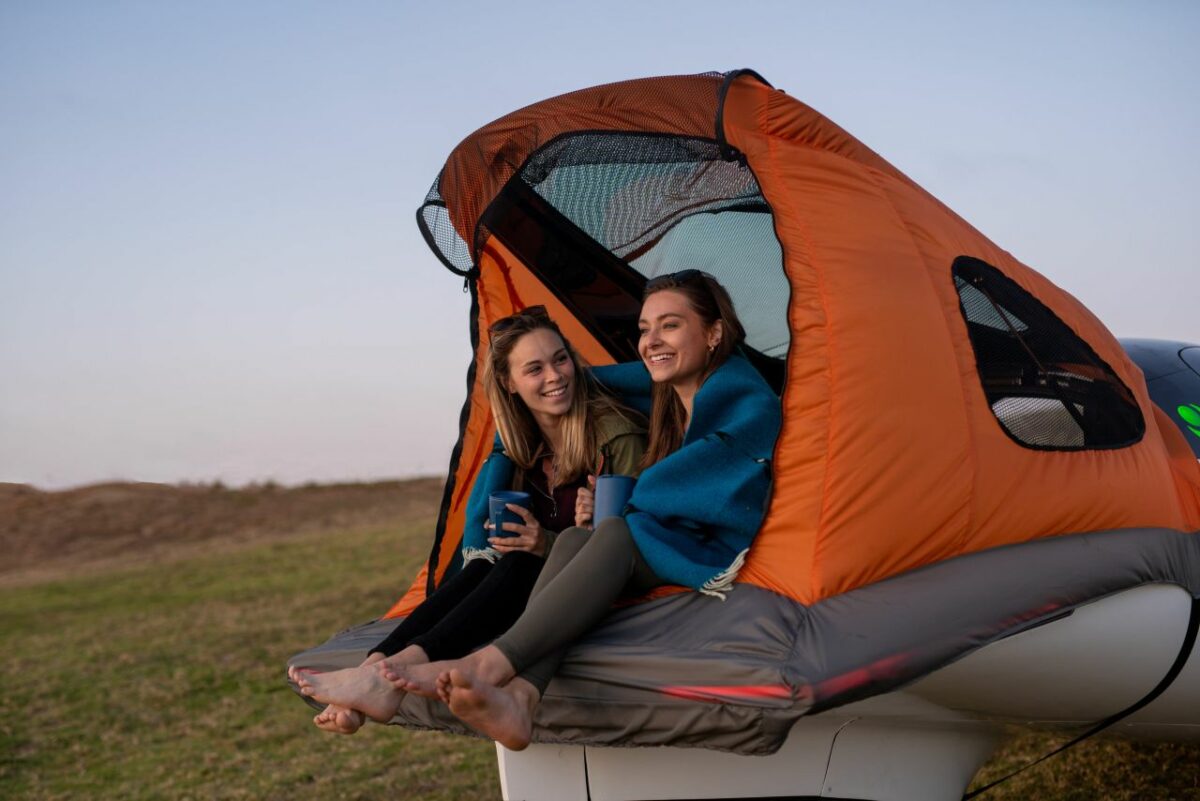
(1191, 416)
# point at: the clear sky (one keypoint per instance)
(209, 267)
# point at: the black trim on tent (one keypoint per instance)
(598, 288)
(731, 153)
(429, 240)
(456, 454)
(1024, 351)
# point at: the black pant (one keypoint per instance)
(469, 609)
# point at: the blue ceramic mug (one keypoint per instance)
(612, 493)
(499, 515)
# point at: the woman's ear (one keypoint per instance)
(715, 334)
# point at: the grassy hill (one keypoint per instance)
(143, 653)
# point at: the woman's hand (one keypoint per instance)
(585, 503)
(525, 537)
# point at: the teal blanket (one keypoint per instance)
(695, 513)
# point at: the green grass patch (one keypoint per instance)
(166, 681)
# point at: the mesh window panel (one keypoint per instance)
(659, 204)
(434, 221)
(1048, 389)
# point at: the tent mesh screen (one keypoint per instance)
(434, 221)
(645, 205)
(1047, 388)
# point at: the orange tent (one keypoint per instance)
(907, 424)
(940, 400)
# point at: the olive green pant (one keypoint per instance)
(585, 572)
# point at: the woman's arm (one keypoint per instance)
(495, 474)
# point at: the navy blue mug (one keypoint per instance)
(612, 493)
(498, 514)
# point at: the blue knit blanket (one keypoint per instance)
(695, 513)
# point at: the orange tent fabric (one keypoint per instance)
(890, 457)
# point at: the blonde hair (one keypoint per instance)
(519, 432)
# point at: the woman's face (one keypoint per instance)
(541, 372)
(674, 342)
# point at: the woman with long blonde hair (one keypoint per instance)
(555, 426)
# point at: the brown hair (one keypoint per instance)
(712, 303)
(518, 430)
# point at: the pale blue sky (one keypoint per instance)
(208, 261)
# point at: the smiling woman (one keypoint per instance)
(556, 426)
(543, 375)
(687, 329)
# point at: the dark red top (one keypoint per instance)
(555, 511)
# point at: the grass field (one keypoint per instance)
(166, 681)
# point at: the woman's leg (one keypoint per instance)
(422, 678)
(358, 687)
(501, 706)
(487, 611)
(487, 600)
(573, 601)
(436, 607)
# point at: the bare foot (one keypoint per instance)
(361, 688)
(418, 679)
(488, 665)
(505, 714)
(443, 687)
(294, 673)
(339, 720)
(412, 655)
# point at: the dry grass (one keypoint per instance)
(1100, 768)
(164, 679)
(47, 535)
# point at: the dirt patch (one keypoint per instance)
(43, 532)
